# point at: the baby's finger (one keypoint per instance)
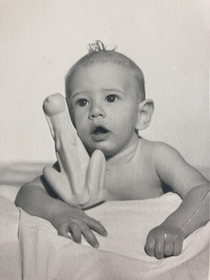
(75, 231)
(63, 231)
(168, 248)
(150, 246)
(159, 247)
(97, 227)
(178, 243)
(89, 236)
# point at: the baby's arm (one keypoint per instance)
(193, 213)
(35, 198)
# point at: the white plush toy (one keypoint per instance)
(80, 181)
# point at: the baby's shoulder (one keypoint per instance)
(157, 149)
(154, 145)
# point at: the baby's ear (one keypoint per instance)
(145, 111)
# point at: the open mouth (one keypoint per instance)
(100, 130)
(100, 134)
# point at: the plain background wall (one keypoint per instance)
(41, 39)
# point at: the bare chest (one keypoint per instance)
(132, 181)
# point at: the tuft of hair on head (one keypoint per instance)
(99, 46)
(98, 53)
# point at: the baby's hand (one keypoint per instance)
(165, 241)
(72, 223)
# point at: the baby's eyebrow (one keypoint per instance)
(112, 89)
(78, 92)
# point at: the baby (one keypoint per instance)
(106, 98)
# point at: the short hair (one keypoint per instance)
(99, 54)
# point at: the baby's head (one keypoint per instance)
(106, 98)
(99, 55)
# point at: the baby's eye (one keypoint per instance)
(111, 98)
(82, 102)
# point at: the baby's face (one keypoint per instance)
(104, 107)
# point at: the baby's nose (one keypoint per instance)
(97, 111)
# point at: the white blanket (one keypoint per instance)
(31, 249)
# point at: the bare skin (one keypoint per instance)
(130, 169)
(150, 167)
(106, 112)
(133, 168)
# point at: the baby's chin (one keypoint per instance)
(107, 147)
(108, 153)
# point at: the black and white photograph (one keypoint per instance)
(105, 140)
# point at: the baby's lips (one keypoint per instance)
(99, 127)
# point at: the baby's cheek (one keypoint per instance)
(83, 134)
(78, 125)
